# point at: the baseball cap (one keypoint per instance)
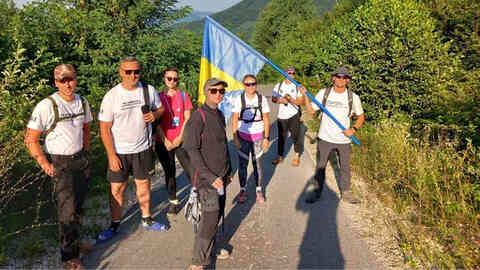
(214, 81)
(342, 71)
(64, 71)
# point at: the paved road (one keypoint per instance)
(283, 233)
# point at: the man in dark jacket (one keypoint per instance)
(206, 144)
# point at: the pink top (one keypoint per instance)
(173, 117)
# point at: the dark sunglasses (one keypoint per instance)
(134, 71)
(291, 73)
(66, 79)
(175, 79)
(341, 76)
(250, 84)
(213, 91)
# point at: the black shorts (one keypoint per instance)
(138, 164)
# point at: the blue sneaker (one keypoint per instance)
(152, 225)
(106, 235)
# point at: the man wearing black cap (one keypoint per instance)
(206, 144)
(343, 104)
(289, 99)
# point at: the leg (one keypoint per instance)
(167, 159)
(282, 135)
(257, 156)
(116, 199)
(323, 150)
(205, 237)
(344, 152)
(243, 158)
(143, 196)
(68, 220)
(294, 126)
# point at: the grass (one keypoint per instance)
(433, 188)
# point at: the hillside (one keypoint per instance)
(241, 17)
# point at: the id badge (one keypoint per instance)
(175, 121)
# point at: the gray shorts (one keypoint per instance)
(138, 164)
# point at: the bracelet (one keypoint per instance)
(266, 138)
(354, 128)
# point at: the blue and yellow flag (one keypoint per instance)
(228, 58)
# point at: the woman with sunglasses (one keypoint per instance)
(178, 108)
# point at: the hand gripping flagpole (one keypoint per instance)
(310, 96)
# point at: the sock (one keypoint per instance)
(176, 202)
(259, 189)
(242, 189)
(114, 225)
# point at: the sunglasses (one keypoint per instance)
(291, 73)
(340, 76)
(250, 84)
(213, 91)
(175, 79)
(66, 80)
(134, 71)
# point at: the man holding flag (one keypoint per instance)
(343, 104)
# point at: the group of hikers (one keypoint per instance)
(136, 122)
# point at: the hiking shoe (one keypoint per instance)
(296, 161)
(260, 197)
(313, 196)
(349, 197)
(73, 264)
(172, 209)
(278, 160)
(242, 196)
(151, 225)
(195, 267)
(106, 235)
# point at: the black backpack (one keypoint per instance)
(256, 109)
(57, 117)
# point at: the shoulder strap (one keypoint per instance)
(84, 105)
(350, 101)
(324, 101)
(146, 96)
(202, 115)
(56, 115)
(260, 105)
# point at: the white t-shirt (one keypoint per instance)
(122, 107)
(337, 104)
(67, 137)
(286, 111)
(255, 127)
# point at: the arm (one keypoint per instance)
(107, 139)
(33, 145)
(235, 116)
(299, 101)
(266, 132)
(308, 104)
(86, 137)
(358, 124)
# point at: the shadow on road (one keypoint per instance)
(102, 256)
(320, 247)
(239, 212)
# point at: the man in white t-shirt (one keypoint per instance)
(251, 129)
(343, 104)
(289, 99)
(64, 119)
(126, 114)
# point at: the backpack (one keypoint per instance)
(294, 106)
(325, 97)
(244, 108)
(57, 117)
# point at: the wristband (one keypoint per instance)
(354, 128)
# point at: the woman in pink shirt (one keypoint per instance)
(178, 108)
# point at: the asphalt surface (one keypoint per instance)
(282, 233)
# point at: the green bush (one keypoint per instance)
(433, 187)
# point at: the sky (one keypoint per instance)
(197, 5)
